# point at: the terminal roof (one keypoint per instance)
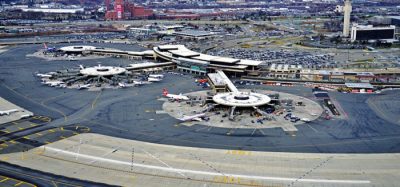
(359, 85)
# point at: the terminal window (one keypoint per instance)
(375, 34)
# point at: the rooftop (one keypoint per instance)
(182, 51)
(194, 33)
(359, 85)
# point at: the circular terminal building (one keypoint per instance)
(241, 99)
(235, 98)
(102, 71)
(91, 77)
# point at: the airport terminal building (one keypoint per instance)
(189, 61)
(369, 32)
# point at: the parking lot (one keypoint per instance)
(283, 56)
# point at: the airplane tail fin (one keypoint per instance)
(165, 92)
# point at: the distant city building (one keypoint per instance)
(385, 20)
(51, 8)
(54, 10)
(119, 8)
(231, 2)
(339, 9)
(107, 3)
(139, 11)
(369, 32)
(127, 10)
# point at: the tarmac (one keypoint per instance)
(131, 113)
(310, 110)
(20, 113)
(125, 162)
(323, 153)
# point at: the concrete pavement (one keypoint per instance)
(125, 162)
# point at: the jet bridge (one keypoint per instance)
(227, 81)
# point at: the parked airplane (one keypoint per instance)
(26, 116)
(138, 82)
(152, 79)
(158, 76)
(85, 86)
(43, 75)
(49, 49)
(196, 117)
(62, 85)
(174, 96)
(122, 85)
(7, 112)
(53, 83)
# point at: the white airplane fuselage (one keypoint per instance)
(158, 76)
(53, 83)
(196, 117)
(178, 97)
(85, 86)
(43, 75)
(8, 112)
(152, 79)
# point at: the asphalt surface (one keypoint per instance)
(38, 178)
(130, 113)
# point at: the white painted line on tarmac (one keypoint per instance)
(79, 148)
(162, 162)
(315, 130)
(197, 172)
(106, 154)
